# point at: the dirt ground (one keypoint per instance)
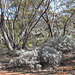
(67, 66)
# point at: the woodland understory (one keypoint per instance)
(37, 35)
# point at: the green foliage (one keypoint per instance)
(65, 18)
(74, 67)
(37, 44)
(3, 46)
(15, 3)
(17, 69)
(30, 45)
(26, 14)
(72, 9)
(42, 43)
(21, 43)
(11, 53)
(60, 24)
(2, 42)
(73, 36)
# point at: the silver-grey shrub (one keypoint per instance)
(38, 58)
(66, 44)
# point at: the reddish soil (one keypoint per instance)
(66, 68)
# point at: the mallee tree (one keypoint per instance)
(18, 18)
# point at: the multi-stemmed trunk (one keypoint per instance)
(9, 37)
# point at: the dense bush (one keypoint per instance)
(64, 44)
(38, 58)
(49, 55)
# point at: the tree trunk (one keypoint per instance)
(49, 26)
(25, 41)
(64, 30)
(6, 39)
(50, 30)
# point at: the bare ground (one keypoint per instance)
(67, 66)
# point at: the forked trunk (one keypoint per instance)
(6, 39)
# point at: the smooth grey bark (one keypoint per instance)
(12, 44)
(2, 26)
(7, 42)
(32, 26)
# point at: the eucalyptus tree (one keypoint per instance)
(51, 16)
(68, 13)
(18, 18)
(59, 15)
